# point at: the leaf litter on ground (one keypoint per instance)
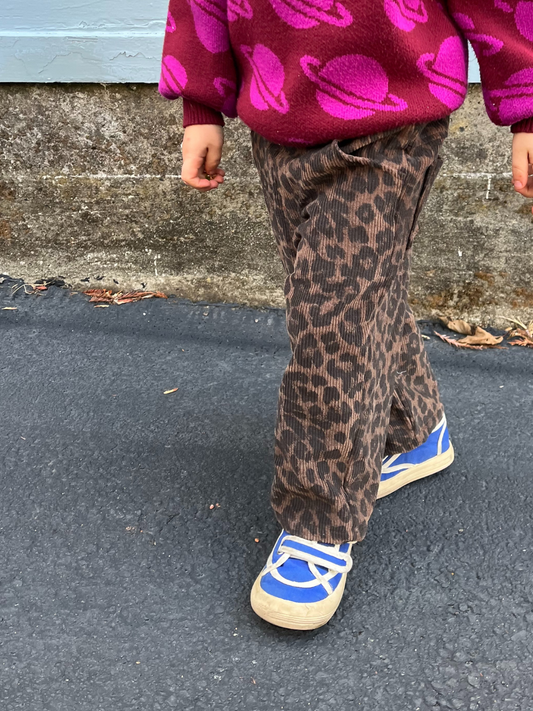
(477, 338)
(106, 296)
(523, 333)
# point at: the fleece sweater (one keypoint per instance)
(304, 72)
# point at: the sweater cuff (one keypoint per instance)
(524, 126)
(194, 113)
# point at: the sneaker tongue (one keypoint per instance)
(303, 547)
(294, 569)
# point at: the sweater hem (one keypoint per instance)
(524, 126)
(195, 114)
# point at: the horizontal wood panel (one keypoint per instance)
(80, 41)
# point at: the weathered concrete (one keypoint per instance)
(90, 187)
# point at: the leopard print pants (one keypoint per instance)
(358, 385)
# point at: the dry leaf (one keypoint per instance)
(516, 322)
(107, 296)
(457, 344)
(166, 392)
(482, 338)
(525, 337)
(459, 326)
(475, 336)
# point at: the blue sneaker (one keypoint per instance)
(429, 458)
(302, 583)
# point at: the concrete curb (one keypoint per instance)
(90, 189)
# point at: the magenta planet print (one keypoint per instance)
(482, 43)
(268, 77)
(447, 72)
(210, 24)
(524, 19)
(227, 90)
(502, 5)
(239, 8)
(303, 14)
(171, 25)
(516, 101)
(406, 14)
(351, 86)
(173, 78)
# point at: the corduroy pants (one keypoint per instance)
(358, 385)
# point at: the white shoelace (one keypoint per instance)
(287, 551)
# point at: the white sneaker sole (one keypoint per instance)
(418, 471)
(295, 615)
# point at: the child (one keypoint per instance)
(348, 102)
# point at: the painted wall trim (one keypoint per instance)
(115, 58)
(106, 41)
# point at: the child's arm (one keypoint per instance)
(501, 34)
(197, 64)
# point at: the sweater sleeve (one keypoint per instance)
(501, 35)
(197, 63)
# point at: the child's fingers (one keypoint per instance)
(215, 179)
(522, 156)
(212, 159)
(193, 174)
(219, 178)
(526, 182)
(528, 190)
(519, 170)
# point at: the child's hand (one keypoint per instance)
(202, 151)
(523, 164)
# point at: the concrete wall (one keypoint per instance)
(90, 190)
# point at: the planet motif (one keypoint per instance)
(173, 78)
(524, 19)
(515, 102)
(171, 25)
(483, 44)
(502, 5)
(239, 8)
(266, 86)
(405, 14)
(227, 90)
(447, 72)
(303, 14)
(351, 86)
(210, 18)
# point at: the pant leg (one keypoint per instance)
(416, 384)
(343, 217)
(415, 388)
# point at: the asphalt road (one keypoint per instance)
(128, 521)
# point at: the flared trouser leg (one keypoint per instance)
(358, 384)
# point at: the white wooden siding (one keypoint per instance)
(88, 41)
